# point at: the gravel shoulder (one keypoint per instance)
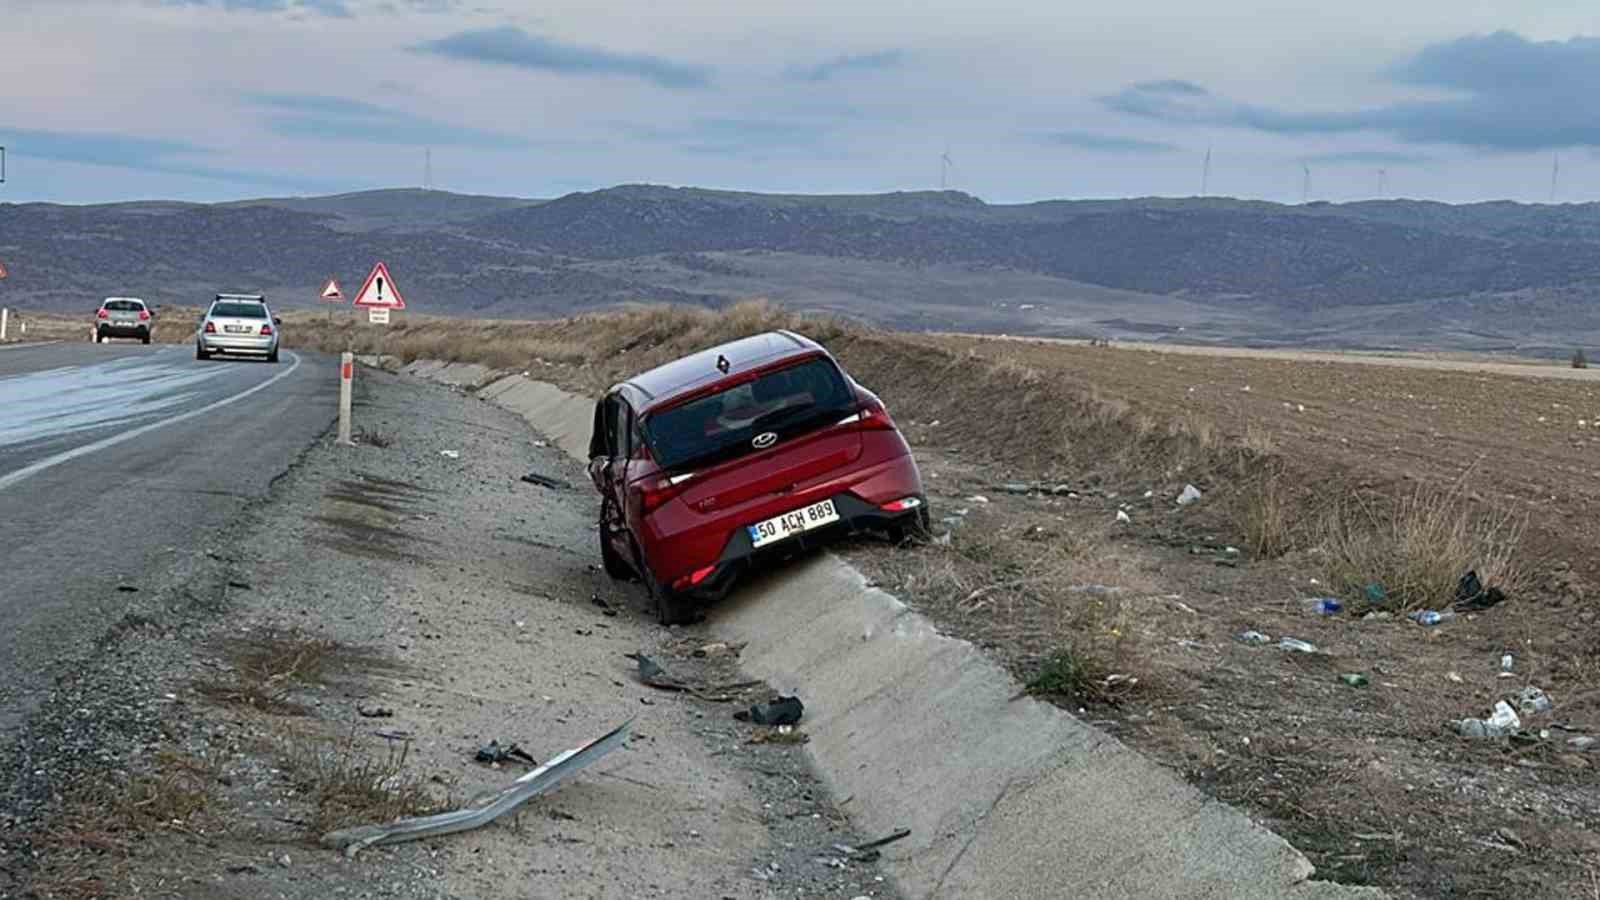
(460, 605)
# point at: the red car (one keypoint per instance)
(757, 448)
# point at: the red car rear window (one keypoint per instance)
(785, 402)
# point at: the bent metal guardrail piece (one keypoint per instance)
(486, 808)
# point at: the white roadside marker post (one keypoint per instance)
(5, 317)
(347, 367)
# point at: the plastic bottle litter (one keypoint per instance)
(1533, 700)
(1254, 638)
(1507, 662)
(1354, 679)
(1324, 606)
(1190, 494)
(1502, 722)
(1431, 617)
(1296, 644)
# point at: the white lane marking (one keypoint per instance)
(10, 346)
(130, 434)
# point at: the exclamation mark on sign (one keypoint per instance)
(380, 287)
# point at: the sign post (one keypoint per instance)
(347, 366)
(331, 294)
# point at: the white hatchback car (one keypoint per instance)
(238, 323)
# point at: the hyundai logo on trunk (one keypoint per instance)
(764, 440)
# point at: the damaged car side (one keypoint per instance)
(753, 449)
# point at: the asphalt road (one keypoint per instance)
(117, 462)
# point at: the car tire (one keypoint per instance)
(671, 607)
(273, 356)
(917, 528)
(200, 353)
(616, 567)
(145, 339)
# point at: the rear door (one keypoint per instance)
(759, 439)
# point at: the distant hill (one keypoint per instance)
(1392, 273)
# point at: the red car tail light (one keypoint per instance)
(657, 490)
(266, 330)
(901, 505)
(872, 417)
(103, 313)
(144, 315)
(693, 578)
(211, 328)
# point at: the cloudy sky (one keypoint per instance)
(1452, 100)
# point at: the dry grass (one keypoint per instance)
(373, 437)
(85, 851)
(1263, 515)
(350, 783)
(1419, 546)
(268, 668)
(1258, 440)
(1058, 602)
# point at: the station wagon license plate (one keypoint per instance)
(236, 329)
(792, 523)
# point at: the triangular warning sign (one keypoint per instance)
(330, 291)
(379, 290)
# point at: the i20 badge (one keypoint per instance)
(764, 440)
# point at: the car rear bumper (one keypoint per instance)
(124, 329)
(235, 343)
(858, 497)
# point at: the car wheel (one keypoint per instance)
(273, 356)
(615, 565)
(146, 339)
(671, 607)
(200, 353)
(915, 528)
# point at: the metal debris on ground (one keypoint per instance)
(484, 809)
(652, 674)
(546, 481)
(781, 711)
(492, 752)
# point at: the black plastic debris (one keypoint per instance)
(375, 712)
(1472, 595)
(545, 481)
(492, 752)
(782, 711)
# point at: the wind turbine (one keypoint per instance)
(1205, 172)
(944, 166)
(1382, 174)
(1555, 171)
(1305, 183)
(427, 169)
